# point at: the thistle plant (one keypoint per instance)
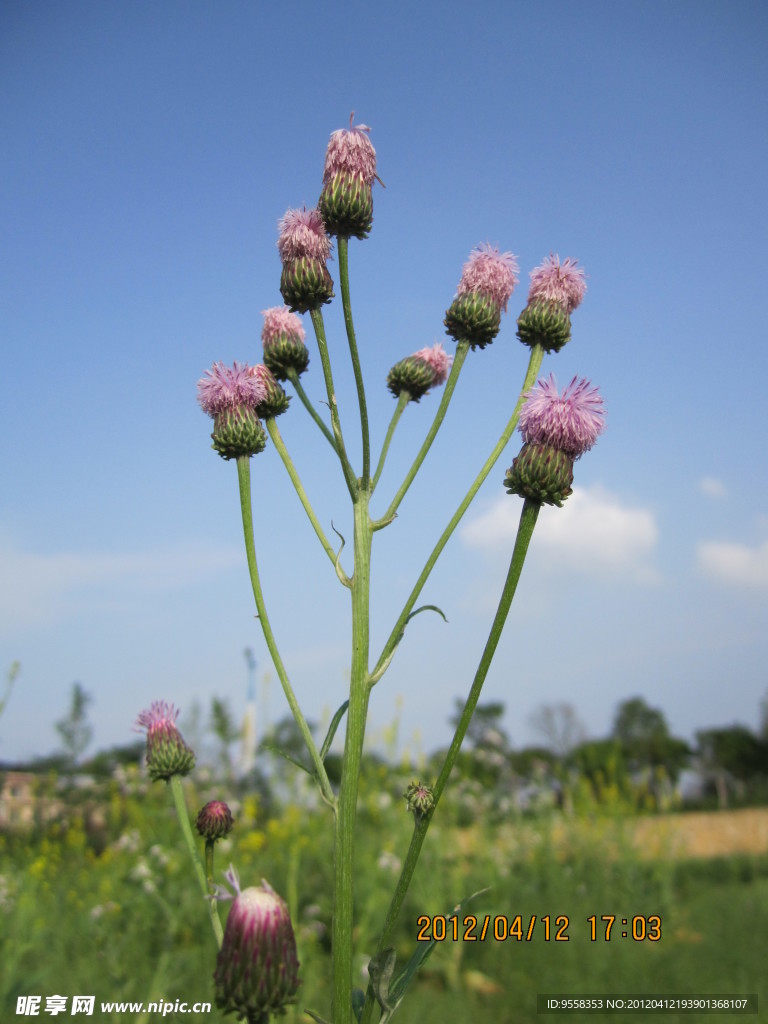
(256, 973)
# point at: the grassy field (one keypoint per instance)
(118, 916)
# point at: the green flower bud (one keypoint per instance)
(413, 375)
(305, 284)
(238, 431)
(346, 205)
(541, 473)
(474, 317)
(546, 324)
(420, 799)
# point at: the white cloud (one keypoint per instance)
(734, 563)
(712, 487)
(594, 532)
(36, 588)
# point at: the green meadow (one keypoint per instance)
(112, 910)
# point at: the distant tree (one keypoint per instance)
(530, 760)
(103, 763)
(732, 756)
(486, 749)
(74, 728)
(560, 726)
(645, 738)
(485, 724)
(602, 763)
(285, 738)
(764, 719)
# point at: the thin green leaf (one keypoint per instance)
(380, 970)
(427, 608)
(332, 730)
(288, 757)
(315, 1017)
(396, 991)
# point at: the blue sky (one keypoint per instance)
(148, 153)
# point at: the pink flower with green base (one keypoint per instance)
(283, 337)
(229, 387)
(571, 421)
(562, 284)
(419, 372)
(305, 248)
(257, 968)
(346, 200)
(231, 395)
(167, 753)
(556, 290)
(487, 282)
(557, 429)
(438, 360)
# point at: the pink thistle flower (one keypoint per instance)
(229, 387)
(570, 422)
(439, 361)
(167, 753)
(560, 283)
(302, 233)
(257, 969)
(350, 152)
(159, 715)
(281, 324)
(490, 272)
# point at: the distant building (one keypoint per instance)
(26, 801)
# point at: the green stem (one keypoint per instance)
(182, 814)
(244, 479)
(461, 354)
(277, 440)
(346, 810)
(343, 250)
(525, 530)
(210, 845)
(349, 476)
(293, 377)
(534, 365)
(402, 400)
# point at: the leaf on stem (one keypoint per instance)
(343, 578)
(332, 730)
(288, 757)
(427, 608)
(376, 676)
(394, 992)
(380, 970)
(315, 1017)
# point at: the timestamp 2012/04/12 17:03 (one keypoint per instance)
(524, 928)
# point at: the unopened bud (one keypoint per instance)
(420, 799)
(214, 821)
(541, 473)
(257, 969)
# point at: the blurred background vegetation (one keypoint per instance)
(97, 894)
